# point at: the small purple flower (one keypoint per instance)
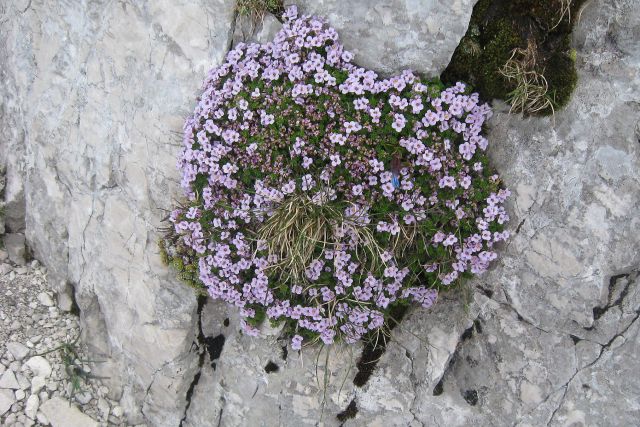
(450, 240)
(296, 342)
(338, 138)
(351, 127)
(447, 181)
(399, 122)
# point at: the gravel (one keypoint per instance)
(32, 371)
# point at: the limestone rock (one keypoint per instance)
(61, 413)
(94, 165)
(8, 380)
(39, 366)
(6, 400)
(31, 407)
(45, 299)
(14, 244)
(557, 311)
(94, 97)
(37, 383)
(42, 419)
(83, 398)
(103, 408)
(262, 31)
(390, 36)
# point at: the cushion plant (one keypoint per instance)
(322, 196)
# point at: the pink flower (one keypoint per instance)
(338, 138)
(399, 122)
(352, 127)
(447, 181)
(450, 240)
(296, 342)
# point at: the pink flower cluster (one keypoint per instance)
(295, 116)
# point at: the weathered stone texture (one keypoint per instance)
(390, 36)
(94, 97)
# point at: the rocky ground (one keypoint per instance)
(94, 96)
(36, 379)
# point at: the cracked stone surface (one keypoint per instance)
(94, 95)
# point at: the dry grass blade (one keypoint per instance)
(531, 93)
(564, 10)
(299, 230)
(256, 9)
(296, 231)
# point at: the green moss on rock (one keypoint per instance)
(500, 40)
(497, 27)
(561, 76)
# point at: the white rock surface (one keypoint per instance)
(390, 36)
(31, 407)
(45, 299)
(37, 383)
(94, 97)
(42, 418)
(6, 400)
(39, 366)
(18, 350)
(8, 380)
(61, 413)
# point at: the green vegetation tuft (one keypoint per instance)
(186, 272)
(498, 28)
(256, 9)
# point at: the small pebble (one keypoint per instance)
(45, 299)
(117, 411)
(83, 398)
(18, 350)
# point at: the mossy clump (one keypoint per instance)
(499, 27)
(257, 8)
(181, 259)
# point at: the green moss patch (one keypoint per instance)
(497, 27)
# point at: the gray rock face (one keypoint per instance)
(390, 36)
(94, 96)
(248, 31)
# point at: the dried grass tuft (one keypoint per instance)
(531, 93)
